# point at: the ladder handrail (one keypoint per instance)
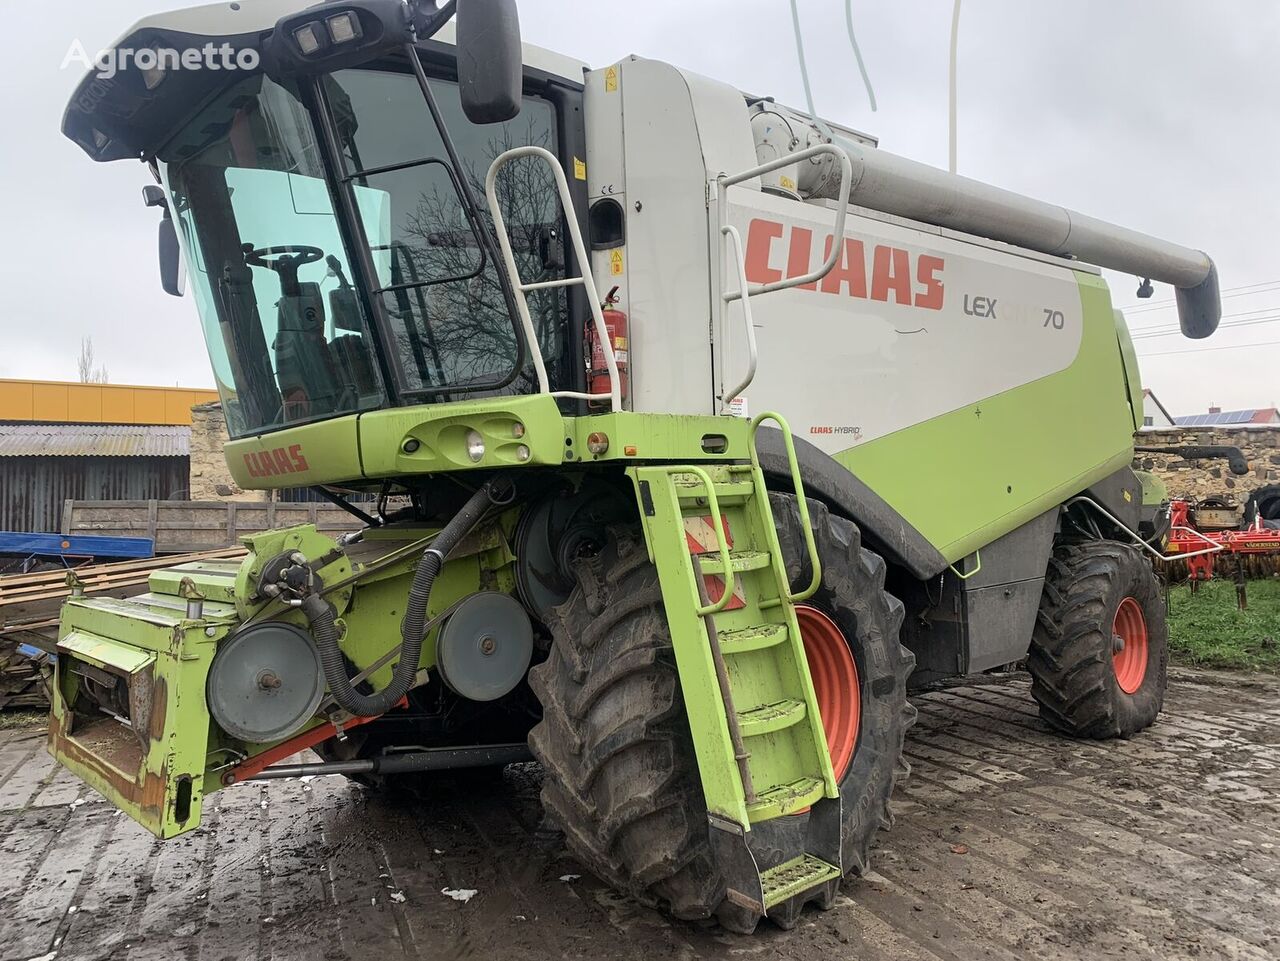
(585, 279)
(802, 502)
(722, 544)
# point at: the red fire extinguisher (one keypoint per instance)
(615, 322)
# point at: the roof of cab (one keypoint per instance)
(251, 16)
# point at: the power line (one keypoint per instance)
(1200, 350)
(1269, 319)
(1244, 291)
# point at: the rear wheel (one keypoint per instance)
(1099, 656)
(621, 779)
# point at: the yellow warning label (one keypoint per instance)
(619, 343)
(579, 169)
(787, 183)
(611, 80)
(615, 263)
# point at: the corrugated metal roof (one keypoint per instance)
(93, 440)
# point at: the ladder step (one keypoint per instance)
(768, 718)
(794, 877)
(740, 561)
(691, 490)
(755, 638)
(786, 798)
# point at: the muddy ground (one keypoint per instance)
(1010, 843)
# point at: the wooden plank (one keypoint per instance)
(153, 511)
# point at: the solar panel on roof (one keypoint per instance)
(1225, 419)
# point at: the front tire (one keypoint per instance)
(1099, 655)
(621, 778)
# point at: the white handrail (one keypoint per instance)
(724, 182)
(753, 355)
(520, 289)
(746, 291)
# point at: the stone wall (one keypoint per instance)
(1197, 479)
(210, 479)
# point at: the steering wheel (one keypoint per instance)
(288, 257)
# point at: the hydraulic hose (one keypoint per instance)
(322, 618)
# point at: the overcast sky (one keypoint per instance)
(1156, 114)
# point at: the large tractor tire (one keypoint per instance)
(1264, 503)
(1099, 655)
(621, 780)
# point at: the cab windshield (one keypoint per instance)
(310, 314)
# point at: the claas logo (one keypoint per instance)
(884, 273)
(273, 463)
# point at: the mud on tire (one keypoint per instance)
(1073, 673)
(621, 779)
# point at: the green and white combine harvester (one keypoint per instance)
(671, 489)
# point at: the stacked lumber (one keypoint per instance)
(30, 603)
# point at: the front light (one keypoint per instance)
(308, 39)
(344, 28)
(475, 446)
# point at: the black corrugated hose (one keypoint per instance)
(320, 614)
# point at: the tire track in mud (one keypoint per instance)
(1166, 846)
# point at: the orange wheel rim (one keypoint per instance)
(835, 683)
(1129, 646)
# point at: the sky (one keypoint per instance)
(1157, 114)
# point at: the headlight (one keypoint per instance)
(475, 446)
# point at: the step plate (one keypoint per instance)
(794, 878)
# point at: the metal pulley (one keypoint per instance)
(485, 647)
(265, 682)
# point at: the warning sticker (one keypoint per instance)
(615, 263)
(579, 169)
(611, 80)
(700, 537)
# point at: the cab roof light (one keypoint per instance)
(344, 27)
(310, 38)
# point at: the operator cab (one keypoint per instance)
(325, 204)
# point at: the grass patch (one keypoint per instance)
(1206, 629)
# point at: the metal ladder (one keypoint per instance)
(762, 752)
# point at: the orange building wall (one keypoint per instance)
(42, 401)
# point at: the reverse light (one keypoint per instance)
(475, 446)
(523, 453)
(344, 28)
(308, 38)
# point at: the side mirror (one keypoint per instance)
(490, 62)
(172, 276)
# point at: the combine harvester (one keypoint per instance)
(703, 622)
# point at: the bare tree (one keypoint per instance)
(88, 373)
(459, 329)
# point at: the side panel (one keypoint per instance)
(655, 136)
(972, 389)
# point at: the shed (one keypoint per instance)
(43, 465)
